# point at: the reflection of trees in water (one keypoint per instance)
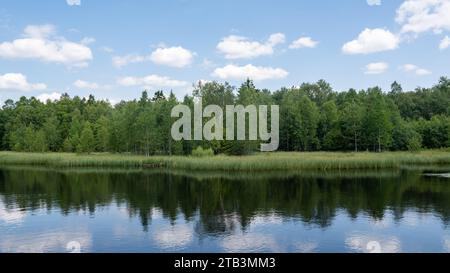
(220, 204)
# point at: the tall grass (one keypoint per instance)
(260, 162)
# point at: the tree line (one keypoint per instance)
(313, 117)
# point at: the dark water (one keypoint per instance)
(142, 211)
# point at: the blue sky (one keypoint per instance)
(114, 49)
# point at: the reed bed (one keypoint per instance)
(279, 161)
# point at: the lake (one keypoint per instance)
(101, 210)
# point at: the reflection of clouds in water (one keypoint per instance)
(261, 219)
(360, 243)
(174, 236)
(380, 223)
(250, 243)
(11, 215)
(44, 242)
(306, 247)
(411, 219)
(447, 244)
(157, 214)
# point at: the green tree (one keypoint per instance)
(328, 131)
(300, 122)
(351, 122)
(86, 144)
(377, 123)
(102, 134)
(39, 143)
(51, 132)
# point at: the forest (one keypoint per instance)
(313, 117)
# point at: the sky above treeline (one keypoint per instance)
(115, 49)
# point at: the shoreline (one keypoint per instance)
(279, 161)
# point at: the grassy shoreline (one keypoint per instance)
(260, 162)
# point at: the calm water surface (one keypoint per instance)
(44, 210)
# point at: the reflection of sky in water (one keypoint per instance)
(112, 229)
(10, 215)
(447, 243)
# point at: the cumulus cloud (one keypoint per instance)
(120, 61)
(17, 81)
(302, 42)
(151, 81)
(411, 68)
(178, 57)
(418, 16)
(276, 38)
(39, 31)
(89, 85)
(73, 2)
(257, 73)
(49, 96)
(373, 2)
(371, 41)
(172, 56)
(238, 47)
(445, 43)
(40, 43)
(87, 40)
(376, 68)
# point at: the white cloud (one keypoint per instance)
(151, 81)
(257, 73)
(120, 61)
(49, 96)
(89, 85)
(417, 16)
(202, 82)
(172, 56)
(411, 68)
(73, 2)
(276, 38)
(40, 44)
(17, 81)
(445, 43)
(238, 47)
(371, 41)
(302, 42)
(87, 40)
(376, 68)
(423, 72)
(39, 31)
(373, 2)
